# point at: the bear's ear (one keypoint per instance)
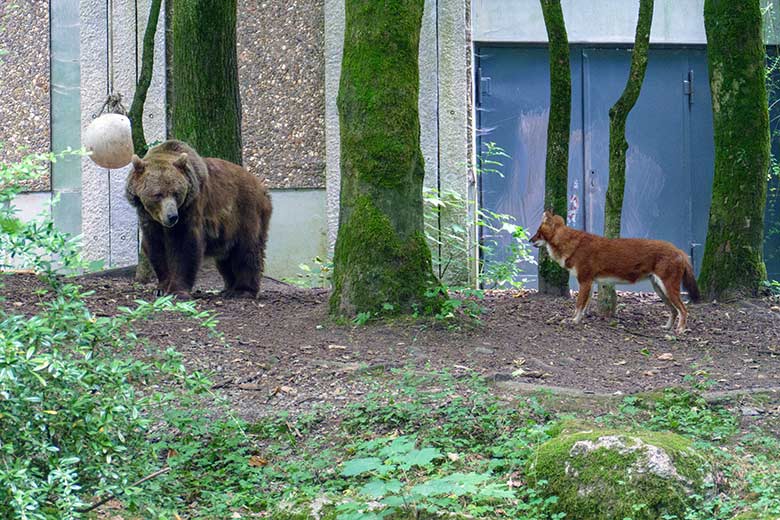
(139, 164)
(181, 162)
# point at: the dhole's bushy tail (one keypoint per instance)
(689, 282)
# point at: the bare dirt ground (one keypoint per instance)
(284, 352)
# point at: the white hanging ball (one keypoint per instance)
(110, 140)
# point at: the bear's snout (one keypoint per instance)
(169, 213)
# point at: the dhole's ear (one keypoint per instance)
(181, 162)
(139, 165)
(547, 215)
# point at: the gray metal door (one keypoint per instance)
(513, 102)
(669, 162)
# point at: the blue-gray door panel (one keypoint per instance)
(513, 110)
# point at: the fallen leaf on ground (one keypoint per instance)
(256, 461)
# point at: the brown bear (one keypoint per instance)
(188, 207)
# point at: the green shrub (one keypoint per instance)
(75, 408)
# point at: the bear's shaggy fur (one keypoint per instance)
(188, 207)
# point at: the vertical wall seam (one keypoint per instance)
(51, 115)
(584, 193)
(110, 90)
(135, 16)
(438, 139)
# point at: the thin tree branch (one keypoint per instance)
(112, 496)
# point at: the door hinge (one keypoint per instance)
(688, 87)
(694, 245)
(483, 86)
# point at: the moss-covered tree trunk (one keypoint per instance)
(381, 256)
(618, 115)
(143, 272)
(554, 279)
(206, 99)
(733, 265)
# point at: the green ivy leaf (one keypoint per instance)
(420, 458)
(380, 488)
(355, 467)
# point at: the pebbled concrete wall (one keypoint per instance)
(24, 82)
(281, 67)
(334, 47)
(453, 86)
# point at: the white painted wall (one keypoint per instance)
(597, 21)
(298, 231)
(31, 205)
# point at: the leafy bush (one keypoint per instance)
(74, 411)
(687, 412)
(317, 275)
(423, 447)
(501, 249)
(502, 245)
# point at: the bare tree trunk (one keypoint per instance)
(733, 264)
(554, 279)
(381, 259)
(618, 115)
(143, 272)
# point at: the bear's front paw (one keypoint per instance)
(181, 295)
(237, 293)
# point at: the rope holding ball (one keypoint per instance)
(109, 137)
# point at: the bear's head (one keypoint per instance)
(164, 183)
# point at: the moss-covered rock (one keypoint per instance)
(611, 474)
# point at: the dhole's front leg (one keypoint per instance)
(583, 297)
